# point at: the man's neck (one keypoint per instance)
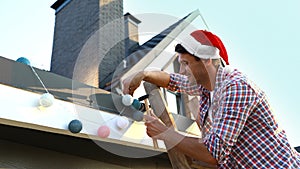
(212, 74)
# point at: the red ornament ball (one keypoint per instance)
(103, 131)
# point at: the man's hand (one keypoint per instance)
(131, 83)
(155, 128)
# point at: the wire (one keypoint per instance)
(38, 78)
(204, 21)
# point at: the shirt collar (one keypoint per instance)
(219, 77)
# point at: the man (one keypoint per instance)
(237, 123)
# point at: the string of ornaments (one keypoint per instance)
(75, 126)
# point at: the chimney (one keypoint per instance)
(131, 33)
(88, 41)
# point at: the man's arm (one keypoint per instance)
(159, 78)
(190, 146)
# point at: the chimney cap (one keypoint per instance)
(128, 15)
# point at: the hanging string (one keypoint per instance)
(100, 107)
(38, 78)
(104, 121)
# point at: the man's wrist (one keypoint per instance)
(144, 75)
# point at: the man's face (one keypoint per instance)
(192, 68)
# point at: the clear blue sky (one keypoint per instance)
(261, 37)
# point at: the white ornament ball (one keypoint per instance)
(127, 100)
(46, 100)
(122, 122)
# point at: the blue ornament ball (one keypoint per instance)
(136, 104)
(23, 60)
(75, 126)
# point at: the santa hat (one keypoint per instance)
(205, 45)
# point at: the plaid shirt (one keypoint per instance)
(243, 132)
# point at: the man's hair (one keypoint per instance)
(180, 49)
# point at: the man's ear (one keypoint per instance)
(206, 61)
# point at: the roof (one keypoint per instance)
(142, 56)
(21, 76)
(20, 88)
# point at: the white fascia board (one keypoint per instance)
(21, 108)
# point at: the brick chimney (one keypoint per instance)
(88, 41)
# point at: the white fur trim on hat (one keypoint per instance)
(199, 50)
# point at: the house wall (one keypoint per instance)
(14, 155)
(21, 156)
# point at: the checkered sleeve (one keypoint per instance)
(236, 103)
(180, 83)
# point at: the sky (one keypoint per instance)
(261, 38)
